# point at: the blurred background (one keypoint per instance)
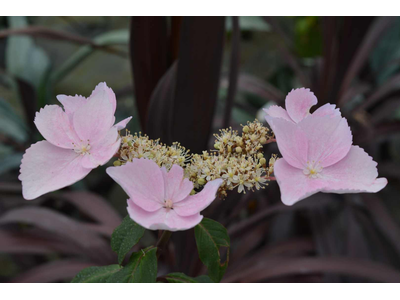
(182, 79)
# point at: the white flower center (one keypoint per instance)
(83, 148)
(168, 204)
(312, 170)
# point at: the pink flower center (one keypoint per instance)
(168, 204)
(83, 148)
(312, 170)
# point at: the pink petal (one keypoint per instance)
(102, 86)
(293, 184)
(162, 219)
(355, 173)
(329, 138)
(71, 103)
(176, 187)
(54, 125)
(172, 181)
(276, 111)
(47, 168)
(143, 181)
(298, 103)
(183, 191)
(93, 120)
(292, 141)
(102, 151)
(327, 110)
(196, 203)
(121, 125)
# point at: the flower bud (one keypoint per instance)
(246, 129)
(263, 161)
(117, 163)
(201, 181)
(238, 149)
(263, 140)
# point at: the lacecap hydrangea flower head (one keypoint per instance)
(317, 150)
(161, 199)
(79, 137)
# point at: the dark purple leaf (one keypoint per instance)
(393, 84)
(159, 118)
(370, 40)
(233, 71)
(11, 242)
(383, 219)
(55, 222)
(276, 267)
(61, 270)
(292, 247)
(149, 58)
(94, 206)
(256, 218)
(200, 57)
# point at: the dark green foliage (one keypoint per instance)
(182, 278)
(142, 267)
(96, 274)
(125, 236)
(210, 237)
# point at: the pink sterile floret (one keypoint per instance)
(78, 139)
(161, 199)
(317, 150)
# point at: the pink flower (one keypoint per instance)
(78, 139)
(317, 151)
(161, 199)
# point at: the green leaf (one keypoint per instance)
(142, 267)
(210, 237)
(183, 278)
(11, 124)
(179, 278)
(114, 37)
(203, 279)
(24, 59)
(96, 274)
(125, 236)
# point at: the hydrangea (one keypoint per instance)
(159, 199)
(79, 138)
(317, 150)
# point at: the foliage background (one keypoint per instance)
(227, 70)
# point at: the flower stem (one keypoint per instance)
(162, 242)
